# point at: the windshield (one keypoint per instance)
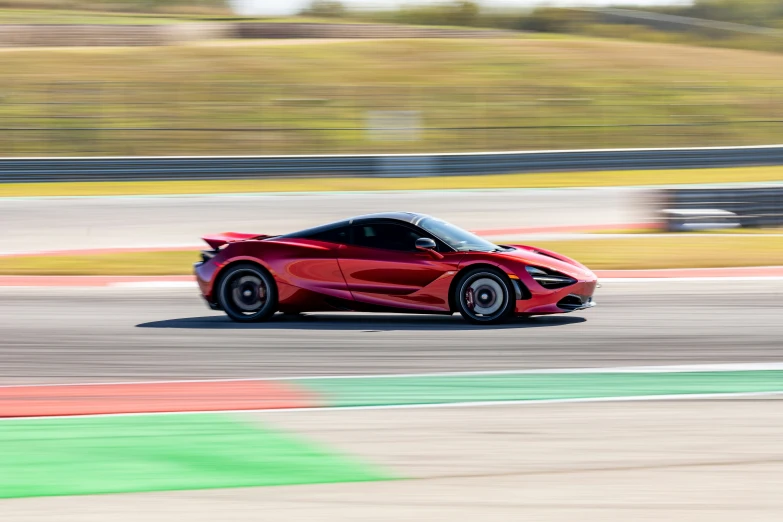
(458, 239)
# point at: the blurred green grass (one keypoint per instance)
(674, 251)
(121, 263)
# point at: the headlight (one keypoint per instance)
(549, 278)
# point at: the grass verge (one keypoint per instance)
(539, 180)
(677, 251)
(120, 263)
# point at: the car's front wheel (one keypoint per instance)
(247, 293)
(484, 296)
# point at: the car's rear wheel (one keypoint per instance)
(248, 293)
(484, 296)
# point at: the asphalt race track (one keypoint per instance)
(61, 335)
(41, 224)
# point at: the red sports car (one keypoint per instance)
(389, 262)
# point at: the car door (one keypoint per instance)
(381, 266)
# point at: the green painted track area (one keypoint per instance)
(450, 389)
(77, 456)
(137, 453)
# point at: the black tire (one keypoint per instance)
(247, 293)
(484, 296)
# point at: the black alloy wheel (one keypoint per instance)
(248, 293)
(485, 296)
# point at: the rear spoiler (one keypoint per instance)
(218, 240)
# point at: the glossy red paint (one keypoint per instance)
(305, 271)
(317, 275)
(414, 280)
(218, 240)
(542, 300)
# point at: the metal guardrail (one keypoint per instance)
(251, 167)
(68, 35)
(753, 207)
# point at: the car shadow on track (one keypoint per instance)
(356, 322)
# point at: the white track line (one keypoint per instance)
(474, 404)
(689, 368)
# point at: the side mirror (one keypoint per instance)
(428, 245)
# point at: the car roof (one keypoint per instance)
(406, 217)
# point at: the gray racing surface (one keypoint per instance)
(52, 335)
(40, 224)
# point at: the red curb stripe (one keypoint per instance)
(102, 399)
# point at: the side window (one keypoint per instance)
(385, 235)
(336, 235)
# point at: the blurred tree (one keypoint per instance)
(554, 20)
(457, 12)
(324, 9)
(751, 12)
(464, 12)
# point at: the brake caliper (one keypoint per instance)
(469, 299)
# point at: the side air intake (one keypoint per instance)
(549, 278)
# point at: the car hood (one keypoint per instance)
(541, 257)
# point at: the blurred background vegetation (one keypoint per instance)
(396, 95)
(634, 24)
(568, 79)
(761, 20)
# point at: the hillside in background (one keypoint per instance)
(741, 24)
(297, 97)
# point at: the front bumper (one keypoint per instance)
(574, 302)
(572, 298)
